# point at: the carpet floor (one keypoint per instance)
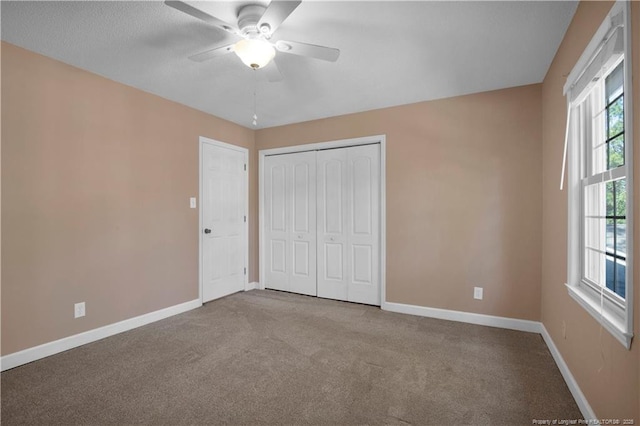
(267, 357)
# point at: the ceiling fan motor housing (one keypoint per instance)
(248, 18)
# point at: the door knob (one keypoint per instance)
(207, 231)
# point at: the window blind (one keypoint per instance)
(589, 68)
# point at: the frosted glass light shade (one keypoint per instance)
(255, 53)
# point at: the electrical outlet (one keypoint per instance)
(192, 202)
(78, 310)
(477, 293)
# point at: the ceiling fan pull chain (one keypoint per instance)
(255, 89)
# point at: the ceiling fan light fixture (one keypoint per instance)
(254, 53)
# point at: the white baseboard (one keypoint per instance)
(581, 400)
(251, 286)
(471, 318)
(38, 352)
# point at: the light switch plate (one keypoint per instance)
(192, 202)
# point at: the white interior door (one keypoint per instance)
(348, 224)
(223, 230)
(290, 222)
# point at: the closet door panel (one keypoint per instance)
(303, 224)
(332, 215)
(290, 222)
(276, 216)
(363, 164)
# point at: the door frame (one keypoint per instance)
(201, 141)
(342, 143)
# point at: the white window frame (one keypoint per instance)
(614, 313)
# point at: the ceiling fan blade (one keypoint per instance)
(197, 13)
(276, 13)
(210, 54)
(272, 71)
(311, 50)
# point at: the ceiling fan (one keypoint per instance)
(256, 25)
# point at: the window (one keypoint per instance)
(604, 186)
(600, 208)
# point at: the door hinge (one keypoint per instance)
(245, 167)
(245, 219)
(245, 271)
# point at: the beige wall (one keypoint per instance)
(96, 180)
(463, 197)
(607, 373)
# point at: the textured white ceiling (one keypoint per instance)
(392, 52)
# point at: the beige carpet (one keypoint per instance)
(266, 357)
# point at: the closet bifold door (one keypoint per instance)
(290, 222)
(348, 224)
(332, 221)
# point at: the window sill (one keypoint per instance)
(614, 324)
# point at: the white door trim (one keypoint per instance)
(376, 139)
(203, 140)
